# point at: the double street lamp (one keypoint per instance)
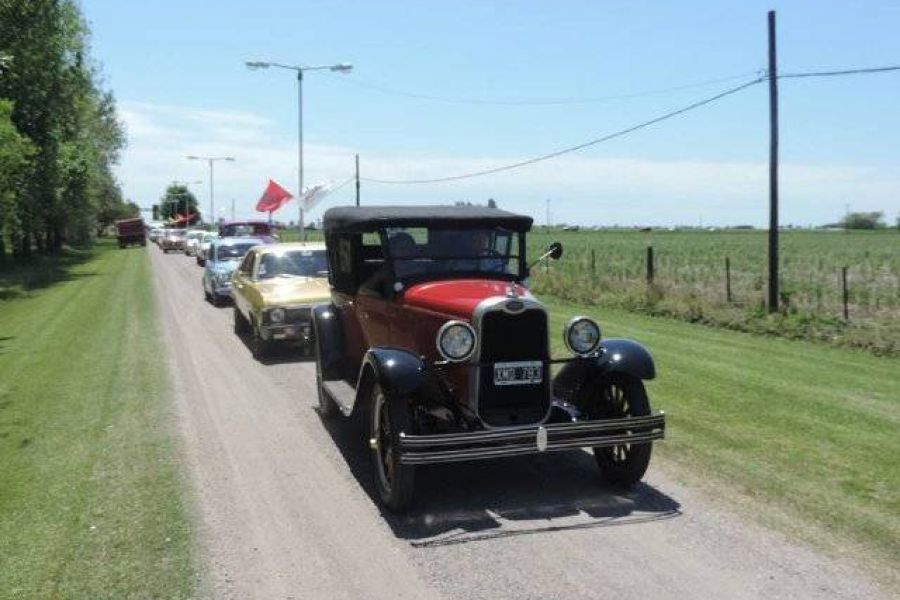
(212, 198)
(299, 69)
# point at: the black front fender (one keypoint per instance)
(398, 372)
(329, 338)
(616, 356)
(626, 356)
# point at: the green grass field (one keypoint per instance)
(689, 281)
(90, 493)
(803, 436)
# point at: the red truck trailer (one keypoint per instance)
(131, 231)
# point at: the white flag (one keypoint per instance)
(313, 194)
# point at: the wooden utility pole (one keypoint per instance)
(357, 179)
(773, 168)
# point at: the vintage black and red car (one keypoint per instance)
(433, 337)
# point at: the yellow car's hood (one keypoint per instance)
(285, 291)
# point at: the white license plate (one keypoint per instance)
(518, 373)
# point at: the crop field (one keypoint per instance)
(689, 279)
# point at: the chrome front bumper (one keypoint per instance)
(288, 331)
(496, 443)
(222, 289)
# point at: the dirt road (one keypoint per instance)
(285, 507)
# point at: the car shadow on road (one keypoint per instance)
(278, 354)
(478, 501)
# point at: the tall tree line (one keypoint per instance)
(59, 133)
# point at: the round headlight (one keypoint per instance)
(456, 340)
(277, 315)
(582, 336)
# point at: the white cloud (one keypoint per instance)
(583, 189)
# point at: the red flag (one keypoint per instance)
(273, 198)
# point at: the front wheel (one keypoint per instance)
(395, 481)
(622, 396)
(259, 345)
(240, 323)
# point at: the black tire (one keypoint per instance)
(259, 346)
(395, 482)
(326, 407)
(622, 396)
(215, 299)
(240, 323)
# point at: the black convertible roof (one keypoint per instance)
(359, 219)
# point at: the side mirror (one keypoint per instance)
(554, 250)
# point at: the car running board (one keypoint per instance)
(342, 393)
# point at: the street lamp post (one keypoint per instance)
(299, 69)
(212, 197)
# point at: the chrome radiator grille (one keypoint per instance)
(513, 337)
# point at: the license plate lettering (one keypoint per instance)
(518, 373)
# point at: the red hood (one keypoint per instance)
(457, 297)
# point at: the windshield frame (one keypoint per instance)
(520, 275)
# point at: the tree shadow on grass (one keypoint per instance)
(18, 279)
(478, 501)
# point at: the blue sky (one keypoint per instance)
(177, 70)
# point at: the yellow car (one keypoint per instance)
(274, 289)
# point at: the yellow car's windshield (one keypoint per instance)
(293, 263)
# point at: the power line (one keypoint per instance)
(540, 102)
(864, 71)
(762, 76)
(582, 146)
(342, 184)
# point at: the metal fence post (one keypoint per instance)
(649, 264)
(846, 293)
(728, 280)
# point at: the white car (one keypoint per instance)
(193, 241)
(202, 253)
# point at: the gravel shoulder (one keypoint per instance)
(285, 508)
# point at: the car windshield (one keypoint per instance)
(419, 251)
(178, 233)
(233, 251)
(239, 229)
(293, 263)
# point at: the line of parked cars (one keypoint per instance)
(271, 286)
(423, 326)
